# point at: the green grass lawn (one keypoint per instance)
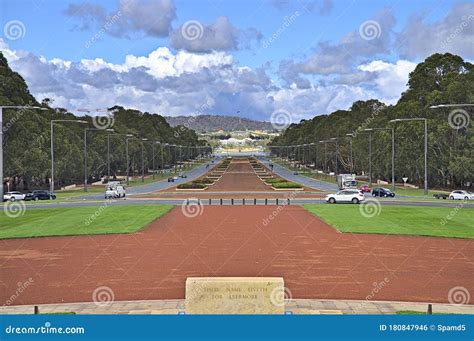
(407, 220)
(68, 221)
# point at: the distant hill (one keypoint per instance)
(208, 123)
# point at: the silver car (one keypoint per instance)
(13, 196)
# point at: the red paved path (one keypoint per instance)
(314, 259)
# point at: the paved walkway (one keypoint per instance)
(297, 306)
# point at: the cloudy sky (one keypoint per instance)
(228, 57)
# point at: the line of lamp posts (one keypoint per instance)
(370, 132)
(111, 133)
(201, 150)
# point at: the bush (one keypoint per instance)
(192, 185)
(287, 184)
(276, 180)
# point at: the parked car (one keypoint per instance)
(441, 195)
(115, 192)
(40, 195)
(13, 196)
(365, 189)
(382, 192)
(346, 195)
(461, 195)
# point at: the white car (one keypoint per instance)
(12, 196)
(461, 195)
(114, 192)
(346, 195)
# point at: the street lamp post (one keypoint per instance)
(1, 136)
(85, 151)
(108, 150)
(393, 152)
(351, 156)
(426, 144)
(335, 140)
(52, 147)
(143, 159)
(128, 159)
(325, 155)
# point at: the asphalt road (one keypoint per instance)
(98, 199)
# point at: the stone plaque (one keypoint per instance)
(235, 295)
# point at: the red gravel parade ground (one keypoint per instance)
(315, 260)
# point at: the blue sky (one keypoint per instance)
(317, 61)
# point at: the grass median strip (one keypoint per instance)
(403, 220)
(69, 221)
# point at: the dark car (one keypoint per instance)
(40, 195)
(382, 192)
(441, 195)
(171, 179)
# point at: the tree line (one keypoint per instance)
(440, 79)
(27, 139)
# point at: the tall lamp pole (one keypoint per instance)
(25, 107)
(128, 158)
(351, 156)
(108, 149)
(52, 147)
(325, 155)
(143, 159)
(426, 144)
(393, 152)
(85, 151)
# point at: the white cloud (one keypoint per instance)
(389, 79)
(454, 33)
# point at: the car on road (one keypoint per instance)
(115, 192)
(40, 195)
(461, 195)
(365, 189)
(382, 192)
(13, 196)
(441, 195)
(182, 175)
(171, 179)
(346, 195)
